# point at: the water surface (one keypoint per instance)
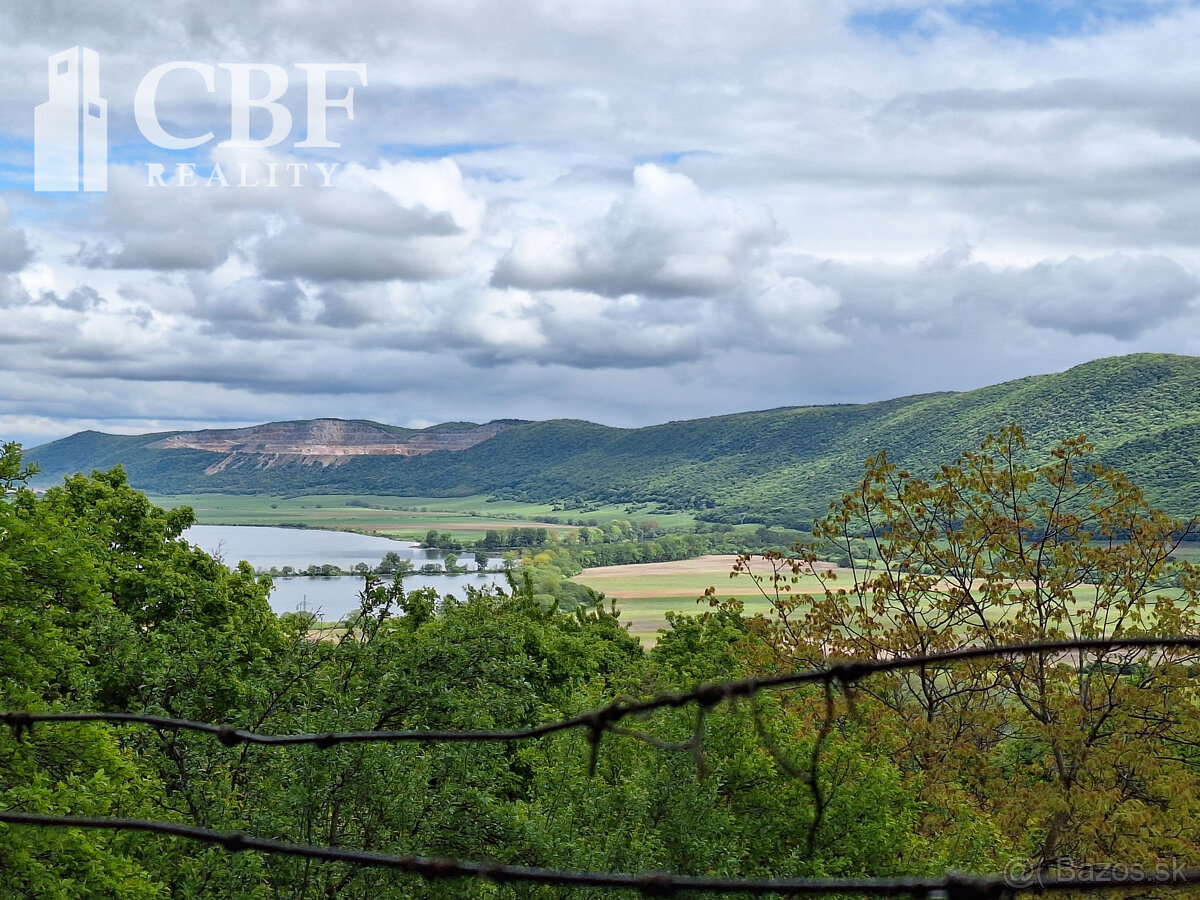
(331, 597)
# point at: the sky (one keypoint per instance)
(626, 211)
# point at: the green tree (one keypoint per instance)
(1071, 754)
(390, 563)
(104, 606)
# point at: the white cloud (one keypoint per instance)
(664, 238)
(629, 212)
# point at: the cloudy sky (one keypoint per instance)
(628, 211)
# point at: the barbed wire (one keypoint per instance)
(952, 886)
(597, 722)
(601, 719)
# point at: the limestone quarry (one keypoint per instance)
(324, 442)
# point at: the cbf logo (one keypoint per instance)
(70, 130)
(71, 127)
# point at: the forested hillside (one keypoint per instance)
(778, 466)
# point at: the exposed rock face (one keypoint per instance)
(322, 442)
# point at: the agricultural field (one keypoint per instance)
(1188, 551)
(468, 518)
(645, 593)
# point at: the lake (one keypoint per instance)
(330, 598)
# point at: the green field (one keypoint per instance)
(646, 617)
(646, 593)
(468, 518)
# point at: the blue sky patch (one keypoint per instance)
(890, 23)
(669, 157)
(435, 151)
(16, 163)
(1022, 19)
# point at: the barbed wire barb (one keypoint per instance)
(598, 721)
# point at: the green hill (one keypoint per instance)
(780, 466)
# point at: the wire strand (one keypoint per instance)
(599, 720)
(952, 885)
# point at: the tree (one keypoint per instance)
(390, 563)
(103, 606)
(13, 470)
(1073, 754)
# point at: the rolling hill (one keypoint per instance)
(780, 466)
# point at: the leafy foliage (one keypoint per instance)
(1071, 756)
(1087, 756)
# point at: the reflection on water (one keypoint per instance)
(332, 598)
(300, 547)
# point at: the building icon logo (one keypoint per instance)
(70, 130)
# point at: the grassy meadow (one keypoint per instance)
(469, 518)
